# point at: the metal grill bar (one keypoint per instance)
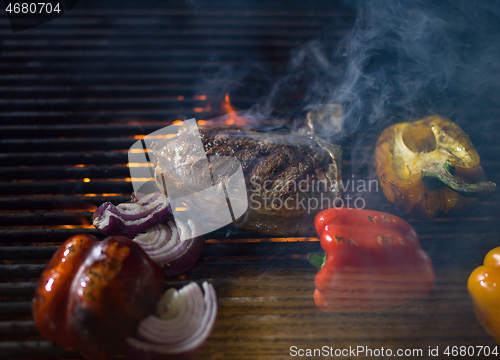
(43, 159)
(33, 349)
(55, 188)
(12, 328)
(56, 202)
(52, 172)
(17, 289)
(15, 308)
(21, 270)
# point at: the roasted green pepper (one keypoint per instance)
(373, 261)
(429, 167)
(484, 289)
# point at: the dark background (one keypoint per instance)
(76, 92)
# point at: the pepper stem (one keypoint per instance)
(444, 174)
(317, 259)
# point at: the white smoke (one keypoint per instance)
(407, 59)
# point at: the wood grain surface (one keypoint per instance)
(266, 306)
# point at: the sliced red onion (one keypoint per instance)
(163, 245)
(130, 218)
(183, 322)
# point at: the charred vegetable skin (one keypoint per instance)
(483, 286)
(53, 287)
(429, 167)
(96, 294)
(373, 261)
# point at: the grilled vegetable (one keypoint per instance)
(164, 246)
(484, 289)
(53, 287)
(103, 291)
(130, 218)
(373, 261)
(183, 321)
(429, 167)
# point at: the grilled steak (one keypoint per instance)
(289, 178)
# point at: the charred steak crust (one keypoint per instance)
(275, 168)
(283, 173)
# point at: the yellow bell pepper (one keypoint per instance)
(484, 289)
(429, 167)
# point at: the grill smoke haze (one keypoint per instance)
(401, 60)
(407, 59)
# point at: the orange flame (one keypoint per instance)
(232, 117)
(36, 227)
(103, 194)
(88, 226)
(207, 108)
(258, 240)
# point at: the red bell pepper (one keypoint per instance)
(51, 295)
(373, 261)
(92, 295)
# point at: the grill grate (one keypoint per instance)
(75, 95)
